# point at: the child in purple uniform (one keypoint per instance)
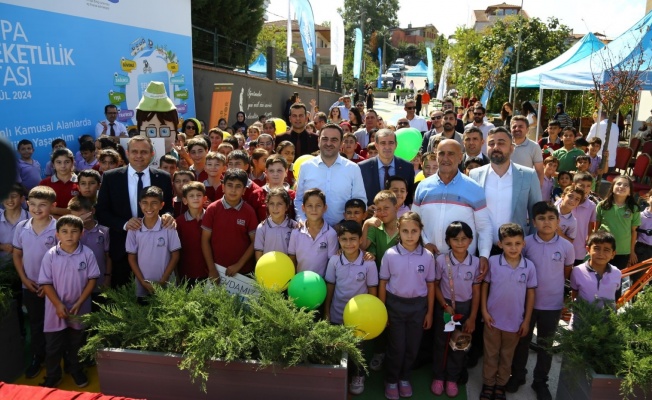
(553, 259)
(506, 308)
(348, 275)
(570, 199)
(36, 236)
(643, 247)
(315, 243)
(273, 234)
(407, 287)
(585, 214)
(68, 274)
(12, 214)
(153, 251)
(458, 292)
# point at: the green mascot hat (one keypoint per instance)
(156, 99)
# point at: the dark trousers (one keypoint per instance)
(406, 316)
(68, 342)
(620, 261)
(36, 313)
(121, 274)
(448, 363)
(546, 322)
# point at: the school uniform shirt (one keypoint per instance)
(199, 176)
(546, 188)
(567, 223)
(463, 273)
(97, 239)
(254, 196)
(350, 278)
(594, 164)
(402, 210)
(179, 207)
(506, 300)
(407, 272)
(643, 237)
(69, 274)
(192, 264)
(274, 237)
(83, 164)
(64, 190)
(380, 241)
(291, 213)
(549, 259)
(591, 287)
(230, 227)
(619, 220)
(313, 254)
(29, 173)
(153, 248)
(584, 214)
(211, 192)
(34, 246)
(7, 230)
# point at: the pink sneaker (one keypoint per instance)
(404, 388)
(391, 391)
(437, 387)
(451, 389)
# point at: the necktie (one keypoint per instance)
(298, 146)
(385, 176)
(112, 129)
(139, 189)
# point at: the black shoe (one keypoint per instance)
(541, 388)
(51, 382)
(34, 368)
(513, 384)
(464, 377)
(80, 379)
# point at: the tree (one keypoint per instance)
(273, 36)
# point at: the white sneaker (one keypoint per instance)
(376, 363)
(357, 385)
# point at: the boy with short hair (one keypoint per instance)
(179, 180)
(88, 159)
(192, 265)
(225, 148)
(197, 149)
(276, 171)
(349, 146)
(595, 144)
(596, 280)
(585, 214)
(399, 186)
(29, 170)
(348, 275)
(36, 235)
(89, 182)
(96, 238)
(253, 194)
(582, 144)
(506, 308)
(233, 251)
(570, 199)
(550, 165)
(472, 163)
(216, 136)
(56, 144)
(429, 164)
(67, 276)
(215, 167)
(109, 159)
(355, 210)
(381, 232)
(372, 150)
(63, 181)
(567, 154)
(553, 259)
(169, 164)
(315, 242)
(582, 163)
(152, 251)
(10, 216)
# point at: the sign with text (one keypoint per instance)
(238, 284)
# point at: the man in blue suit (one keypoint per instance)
(376, 170)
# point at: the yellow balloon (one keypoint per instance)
(367, 314)
(281, 126)
(298, 162)
(419, 177)
(274, 270)
(225, 135)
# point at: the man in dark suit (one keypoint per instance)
(376, 170)
(303, 141)
(117, 204)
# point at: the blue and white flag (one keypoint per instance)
(431, 79)
(306, 21)
(357, 54)
(491, 83)
(380, 69)
(337, 43)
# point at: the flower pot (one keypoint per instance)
(11, 345)
(152, 375)
(575, 385)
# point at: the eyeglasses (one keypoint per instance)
(402, 123)
(191, 127)
(436, 117)
(264, 143)
(163, 131)
(410, 108)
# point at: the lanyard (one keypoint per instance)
(450, 279)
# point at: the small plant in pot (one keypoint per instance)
(603, 341)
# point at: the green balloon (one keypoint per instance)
(408, 143)
(307, 289)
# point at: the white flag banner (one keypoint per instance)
(337, 43)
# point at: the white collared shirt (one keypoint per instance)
(498, 191)
(132, 179)
(419, 123)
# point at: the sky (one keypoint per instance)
(610, 17)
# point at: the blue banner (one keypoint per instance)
(357, 54)
(431, 79)
(491, 83)
(380, 69)
(303, 9)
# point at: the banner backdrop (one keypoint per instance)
(306, 21)
(431, 79)
(62, 62)
(357, 54)
(380, 68)
(337, 43)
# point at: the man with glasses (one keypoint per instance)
(109, 126)
(266, 142)
(449, 130)
(416, 121)
(480, 123)
(437, 122)
(448, 104)
(320, 119)
(360, 106)
(339, 178)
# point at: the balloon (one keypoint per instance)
(419, 177)
(307, 289)
(408, 143)
(225, 135)
(367, 314)
(298, 162)
(274, 270)
(281, 126)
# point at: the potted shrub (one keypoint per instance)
(11, 341)
(607, 354)
(229, 348)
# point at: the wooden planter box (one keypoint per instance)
(157, 376)
(11, 346)
(381, 95)
(574, 385)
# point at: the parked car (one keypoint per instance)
(400, 62)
